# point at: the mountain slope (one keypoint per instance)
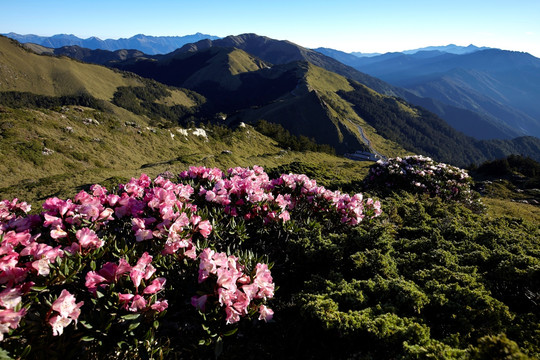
(503, 85)
(420, 131)
(309, 100)
(22, 70)
(280, 52)
(250, 89)
(480, 126)
(50, 148)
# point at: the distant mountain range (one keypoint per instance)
(501, 86)
(451, 49)
(247, 78)
(148, 44)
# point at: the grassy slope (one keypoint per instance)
(118, 144)
(24, 71)
(328, 83)
(93, 153)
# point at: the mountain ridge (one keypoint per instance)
(500, 84)
(148, 44)
(481, 125)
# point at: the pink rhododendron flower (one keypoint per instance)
(88, 239)
(15, 238)
(160, 305)
(41, 266)
(10, 319)
(112, 272)
(142, 269)
(138, 303)
(10, 297)
(199, 302)
(125, 298)
(9, 261)
(67, 310)
(93, 280)
(266, 314)
(205, 228)
(58, 233)
(233, 315)
(155, 286)
(66, 306)
(58, 324)
(106, 214)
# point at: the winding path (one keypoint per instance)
(366, 141)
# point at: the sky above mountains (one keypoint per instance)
(347, 25)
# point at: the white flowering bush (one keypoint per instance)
(420, 174)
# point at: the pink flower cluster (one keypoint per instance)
(65, 311)
(112, 273)
(20, 255)
(158, 210)
(305, 192)
(162, 216)
(251, 194)
(235, 290)
(31, 243)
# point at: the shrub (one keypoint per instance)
(153, 269)
(421, 175)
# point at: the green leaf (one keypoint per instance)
(38, 288)
(231, 332)
(26, 351)
(131, 316)
(4, 355)
(85, 324)
(133, 326)
(87, 338)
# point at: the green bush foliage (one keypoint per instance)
(16, 99)
(288, 141)
(428, 278)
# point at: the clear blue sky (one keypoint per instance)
(355, 25)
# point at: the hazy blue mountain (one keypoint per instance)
(500, 84)
(147, 44)
(361, 54)
(341, 56)
(451, 49)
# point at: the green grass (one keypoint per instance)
(497, 207)
(239, 62)
(87, 154)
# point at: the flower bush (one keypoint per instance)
(422, 175)
(153, 266)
